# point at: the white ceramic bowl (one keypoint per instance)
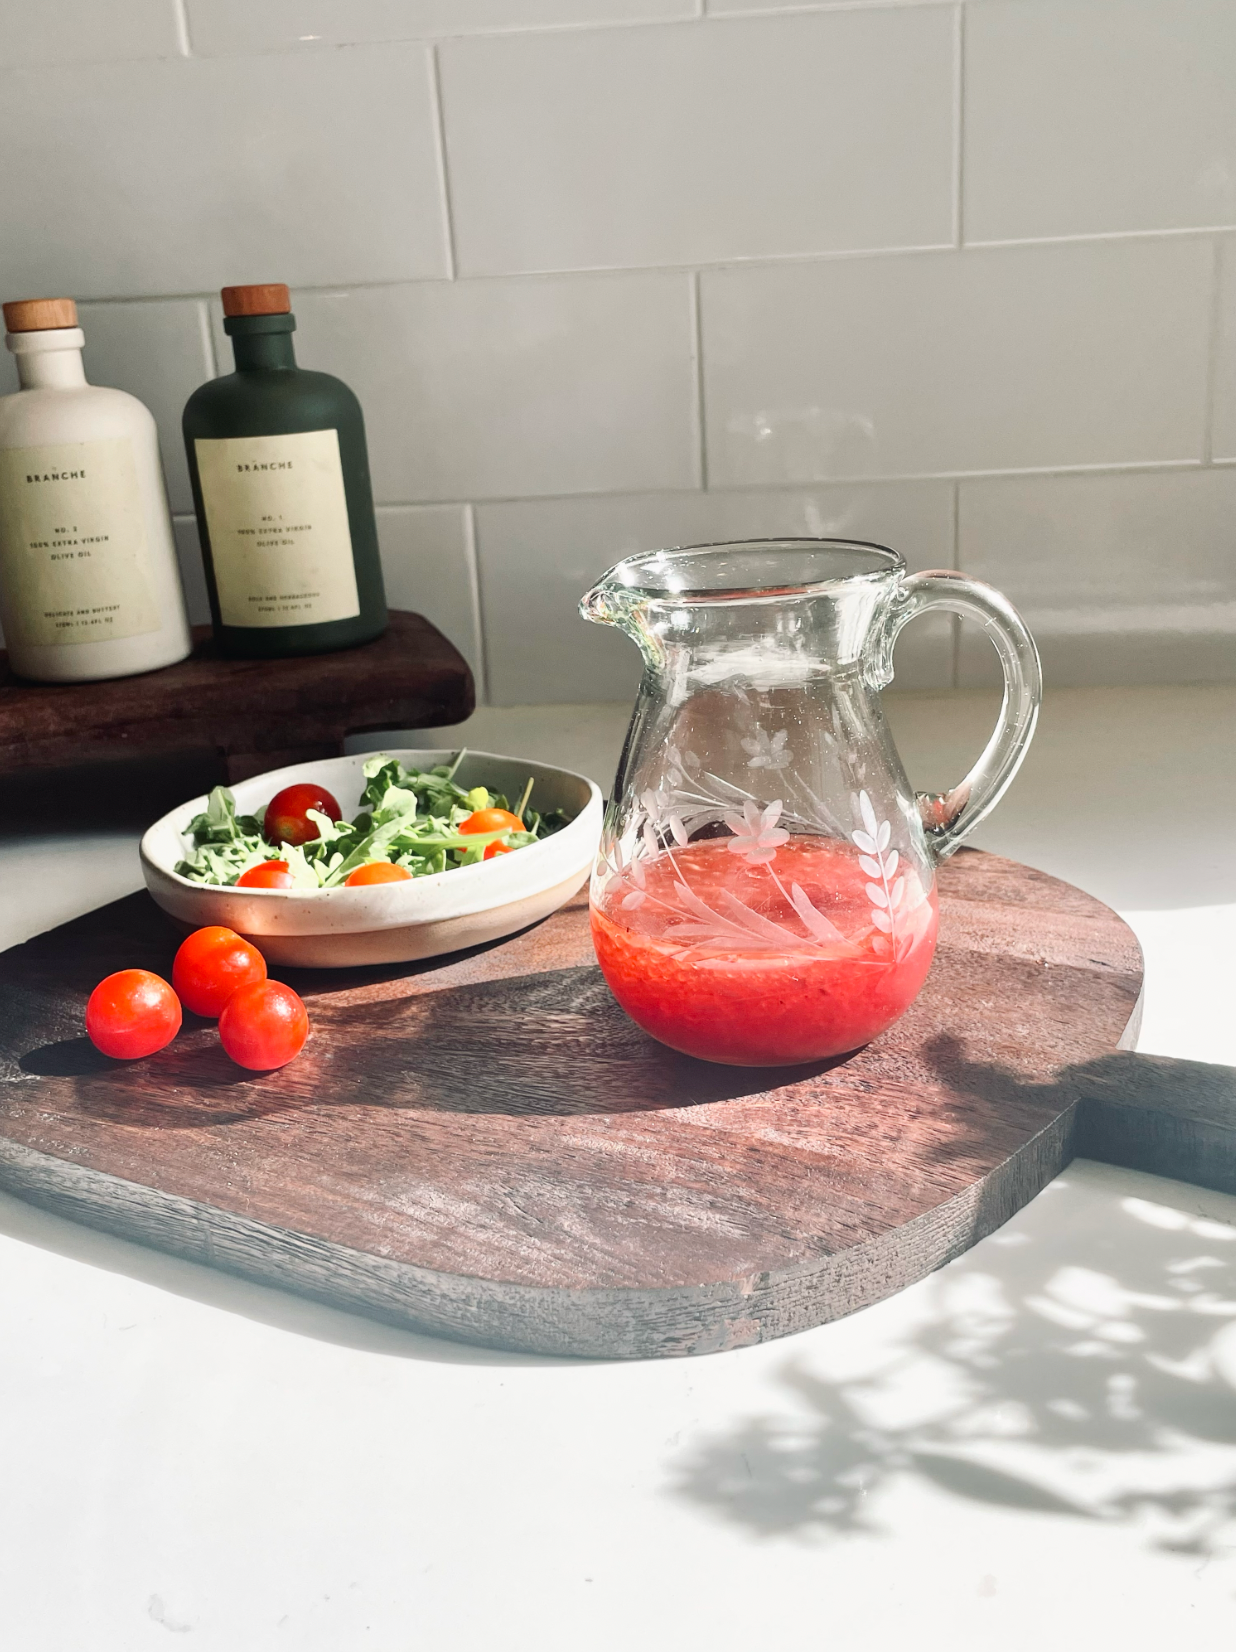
(389, 923)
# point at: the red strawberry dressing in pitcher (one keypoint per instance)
(787, 960)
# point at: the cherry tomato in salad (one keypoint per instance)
(210, 966)
(263, 1026)
(131, 1014)
(287, 814)
(267, 874)
(497, 848)
(492, 820)
(377, 871)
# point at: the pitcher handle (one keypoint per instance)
(951, 816)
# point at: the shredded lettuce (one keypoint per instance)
(408, 816)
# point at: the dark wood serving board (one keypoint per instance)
(410, 677)
(485, 1147)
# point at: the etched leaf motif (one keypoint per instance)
(729, 922)
(668, 816)
(711, 928)
(823, 929)
(610, 867)
(661, 820)
(772, 932)
(877, 860)
(739, 923)
(692, 903)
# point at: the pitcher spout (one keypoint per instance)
(595, 605)
(616, 598)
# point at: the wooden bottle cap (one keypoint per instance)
(271, 299)
(38, 315)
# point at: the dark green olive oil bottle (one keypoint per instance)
(281, 488)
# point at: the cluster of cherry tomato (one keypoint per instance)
(216, 973)
(287, 821)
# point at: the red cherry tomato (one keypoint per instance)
(287, 814)
(267, 874)
(210, 965)
(497, 848)
(377, 871)
(263, 1025)
(492, 820)
(132, 1013)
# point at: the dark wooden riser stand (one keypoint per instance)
(484, 1147)
(257, 714)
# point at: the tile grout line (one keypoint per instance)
(1094, 237)
(478, 605)
(959, 125)
(181, 14)
(704, 12)
(955, 674)
(1212, 353)
(207, 334)
(444, 177)
(1163, 467)
(754, 261)
(793, 489)
(697, 351)
(808, 8)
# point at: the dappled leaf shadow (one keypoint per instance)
(966, 1478)
(1103, 1393)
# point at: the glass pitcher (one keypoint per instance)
(765, 890)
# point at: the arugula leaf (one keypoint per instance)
(408, 816)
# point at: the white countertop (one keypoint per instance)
(1034, 1447)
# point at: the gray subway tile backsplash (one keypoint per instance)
(609, 273)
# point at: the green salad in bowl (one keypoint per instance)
(377, 858)
(411, 823)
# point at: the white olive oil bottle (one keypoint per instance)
(89, 584)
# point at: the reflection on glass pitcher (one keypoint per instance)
(765, 888)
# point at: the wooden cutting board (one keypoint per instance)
(486, 1148)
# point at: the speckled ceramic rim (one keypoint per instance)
(443, 899)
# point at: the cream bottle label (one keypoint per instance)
(278, 524)
(74, 557)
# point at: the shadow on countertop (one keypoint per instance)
(1080, 1363)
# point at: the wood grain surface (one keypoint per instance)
(485, 1147)
(411, 677)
